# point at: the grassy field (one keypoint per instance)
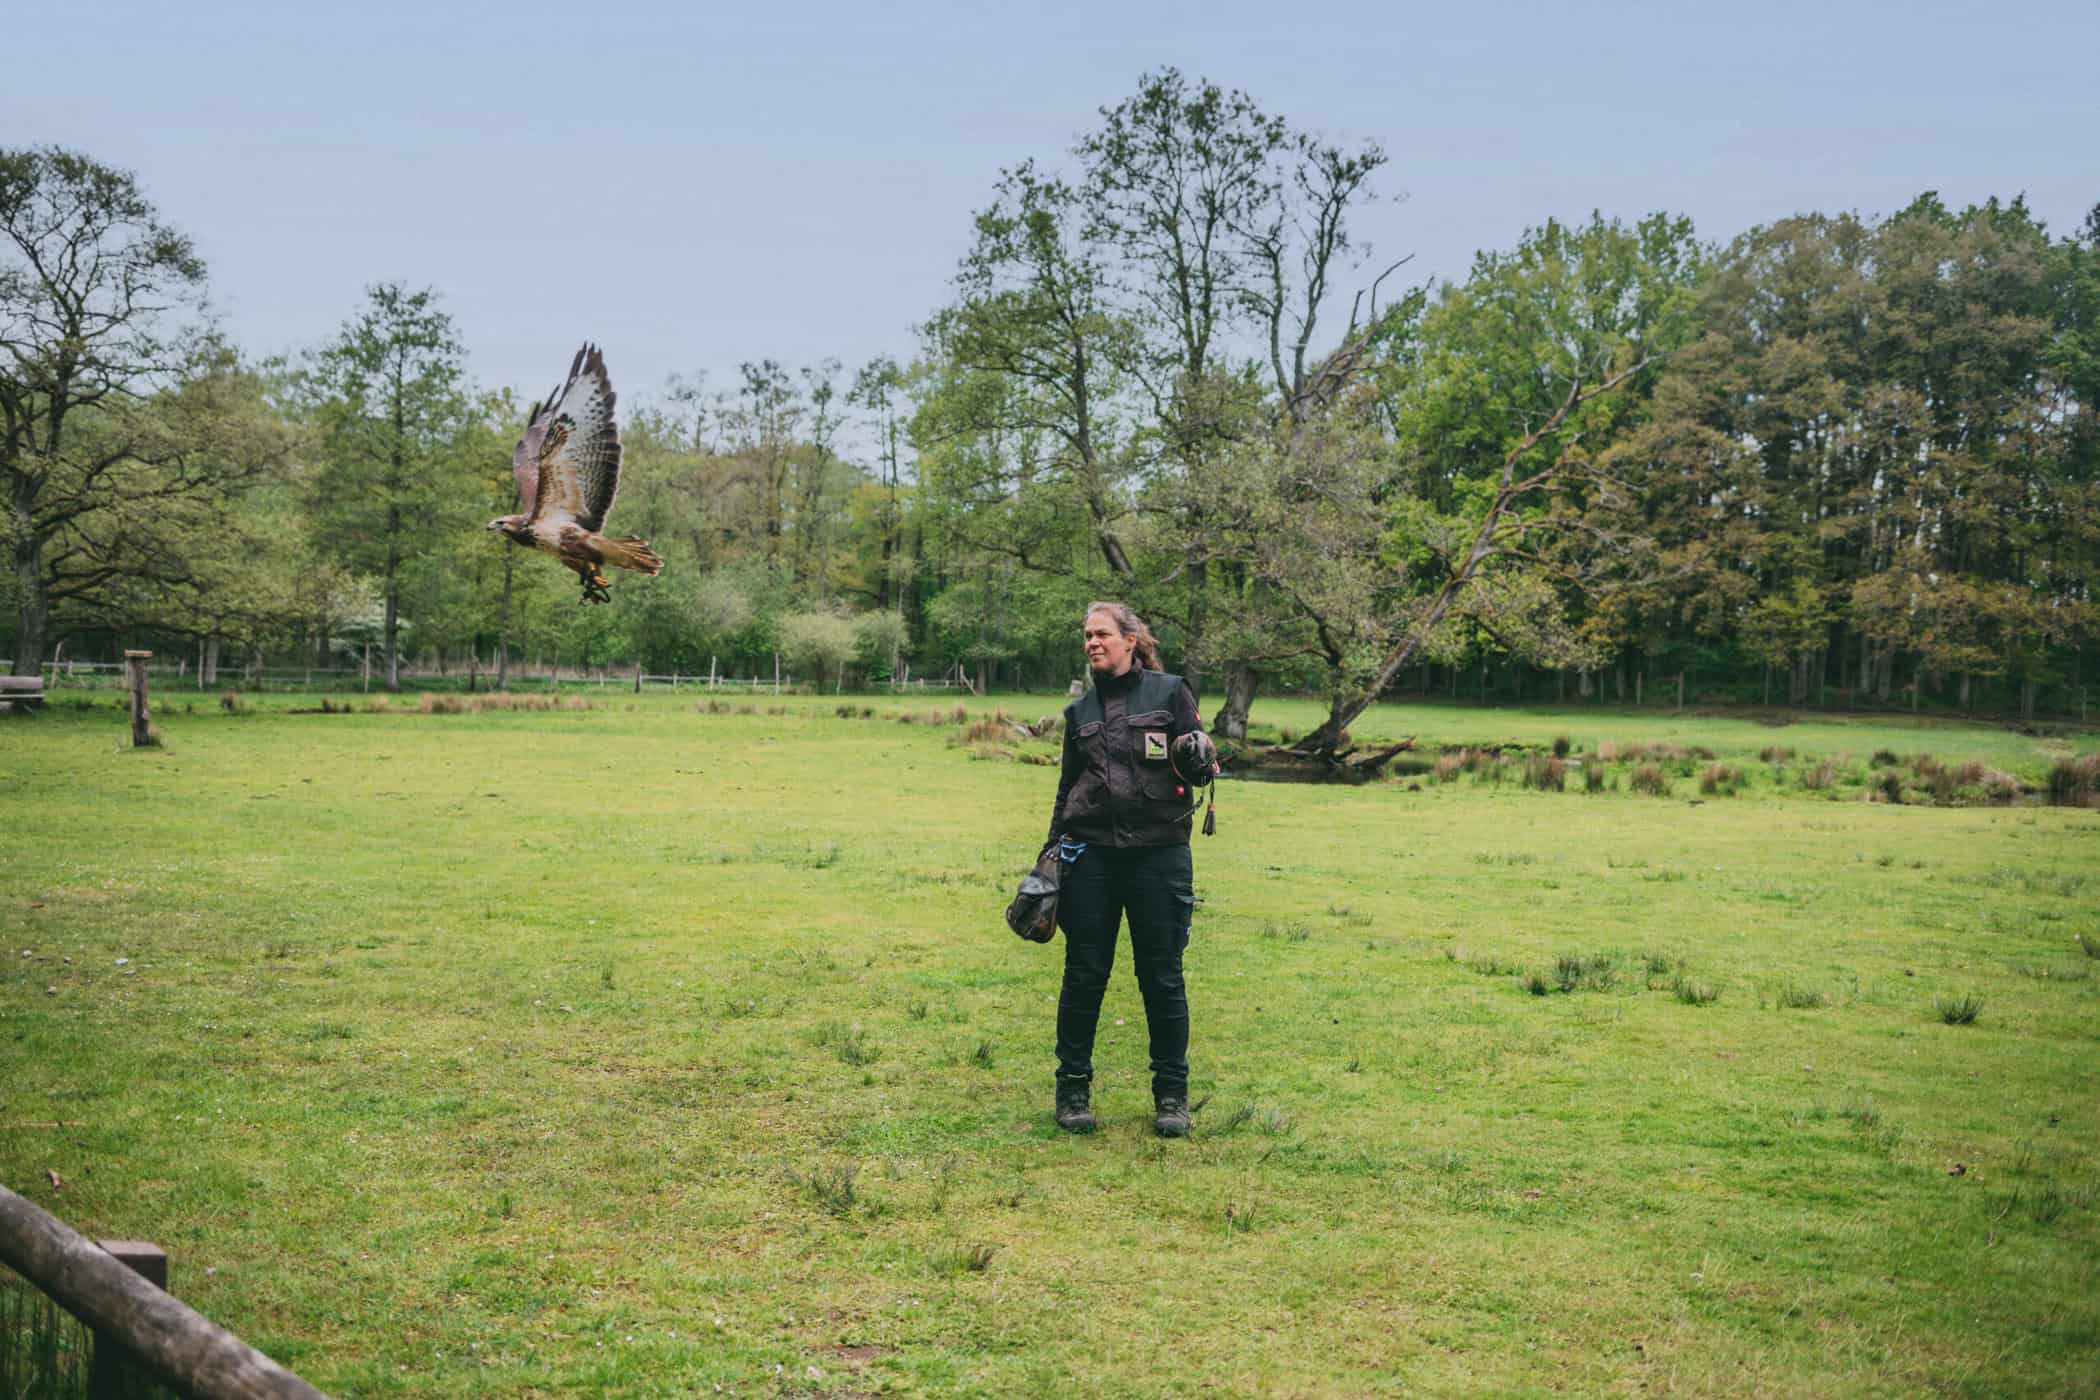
(639, 1050)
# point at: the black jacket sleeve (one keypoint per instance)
(1185, 716)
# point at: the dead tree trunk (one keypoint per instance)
(1487, 543)
(1241, 681)
(141, 729)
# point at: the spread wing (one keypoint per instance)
(577, 454)
(525, 457)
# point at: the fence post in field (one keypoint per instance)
(638, 678)
(710, 671)
(368, 668)
(141, 736)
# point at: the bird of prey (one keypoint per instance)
(567, 468)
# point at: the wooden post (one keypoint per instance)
(710, 671)
(638, 678)
(176, 1342)
(141, 733)
(114, 1371)
(368, 668)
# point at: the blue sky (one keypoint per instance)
(696, 186)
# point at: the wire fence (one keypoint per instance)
(181, 675)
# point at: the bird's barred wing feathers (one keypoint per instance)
(525, 457)
(579, 455)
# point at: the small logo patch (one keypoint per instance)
(1155, 746)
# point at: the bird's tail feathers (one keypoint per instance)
(633, 553)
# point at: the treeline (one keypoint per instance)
(1832, 461)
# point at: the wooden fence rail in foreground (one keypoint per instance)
(177, 1343)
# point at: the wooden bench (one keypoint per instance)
(22, 692)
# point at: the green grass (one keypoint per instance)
(633, 1050)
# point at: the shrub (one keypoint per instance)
(1650, 781)
(1818, 776)
(1701, 753)
(1775, 753)
(2001, 788)
(1448, 767)
(1890, 786)
(1607, 751)
(1561, 746)
(1593, 777)
(1884, 759)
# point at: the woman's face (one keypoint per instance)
(1107, 649)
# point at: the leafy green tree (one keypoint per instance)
(393, 417)
(818, 644)
(123, 425)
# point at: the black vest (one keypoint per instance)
(1128, 794)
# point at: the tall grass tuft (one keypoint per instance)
(1958, 1011)
(1594, 778)
(1594, 972)
(1649, 780)
(831, 1188)
(2075, 782)
(1720, 779)
(1694, 993)
(1545, 774)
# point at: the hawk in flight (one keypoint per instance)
(567, 467)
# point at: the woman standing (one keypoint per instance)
(1122, 826)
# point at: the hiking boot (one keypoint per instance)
(1073, 1114)
(1170, 1117)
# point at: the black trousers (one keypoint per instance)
(1155, 887)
